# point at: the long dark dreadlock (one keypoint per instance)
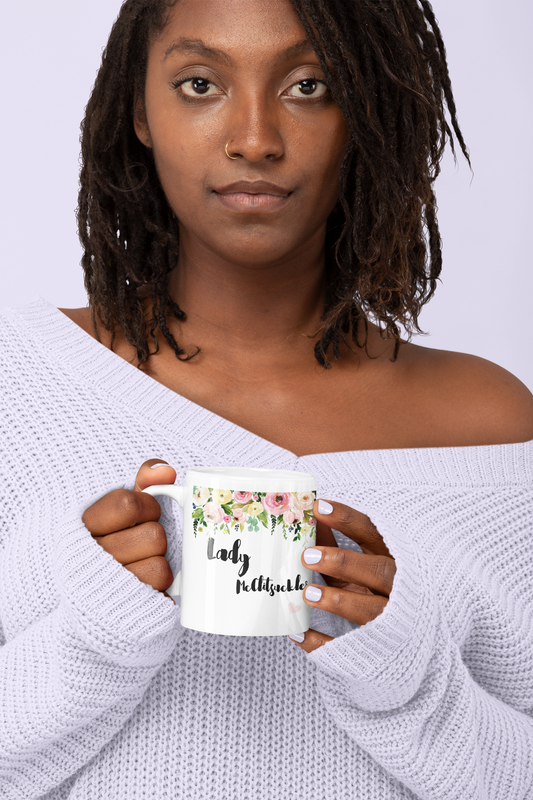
(385, 66)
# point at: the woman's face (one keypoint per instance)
(246, 77)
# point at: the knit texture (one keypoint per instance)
(103, 694)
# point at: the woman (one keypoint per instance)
(256, 194)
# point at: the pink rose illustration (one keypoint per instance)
(304, 500)
(213, 512)
(239, 514)
(298, 514)
(289, 517)
(227, 519)
(277, 503)
(242, 497)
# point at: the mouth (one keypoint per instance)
(252, 196)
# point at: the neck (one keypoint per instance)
(270, 308)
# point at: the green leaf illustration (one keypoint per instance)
(198, 513)
(227, 509)
(263, 516)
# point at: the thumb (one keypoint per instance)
(146, 476)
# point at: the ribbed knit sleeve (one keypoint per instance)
(69, 682)
(399, 686)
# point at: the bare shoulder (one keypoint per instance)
(81, 316)
(481, 401)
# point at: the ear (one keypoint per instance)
(140, 122)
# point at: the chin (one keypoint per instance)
(257, 256)
(254, 247)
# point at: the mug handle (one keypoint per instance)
(177, 493)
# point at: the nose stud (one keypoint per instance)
(226, 149)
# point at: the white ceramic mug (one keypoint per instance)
(244, 531)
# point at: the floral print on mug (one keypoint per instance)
(229, 511)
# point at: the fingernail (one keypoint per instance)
(313, 593)
(164, 464)
(324, 507)
(312, 556)
(297, 637)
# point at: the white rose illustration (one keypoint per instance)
(201, 495)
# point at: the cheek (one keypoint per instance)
(339, 141)
(182, 152)
(323, 162)
(181, 162)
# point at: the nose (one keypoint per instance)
(254, 130)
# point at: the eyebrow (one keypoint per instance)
(198, 47)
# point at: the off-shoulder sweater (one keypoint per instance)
(105, 696)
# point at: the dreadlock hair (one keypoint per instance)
(385, 66)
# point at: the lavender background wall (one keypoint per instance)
(49, 58)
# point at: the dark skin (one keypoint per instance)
(252, 282)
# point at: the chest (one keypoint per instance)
(359, 404)
(309, 412)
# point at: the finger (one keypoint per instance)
(136, 544)
(375, 572)
(122, 508)
(154, 572)
(324, 535)
(118, 510)
(161, 473)
(353, 524)
(354, 587)
(312, 640)
(355, 607)
(326, 538)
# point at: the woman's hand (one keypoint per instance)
(358, 584)
(125, 523)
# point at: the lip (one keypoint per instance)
(253, 187)
(252, 196)
(243, 201)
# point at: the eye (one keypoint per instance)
(309, 87)
(195, 86)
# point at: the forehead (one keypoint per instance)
(240, 27)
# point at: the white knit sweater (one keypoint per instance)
(103, 695)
